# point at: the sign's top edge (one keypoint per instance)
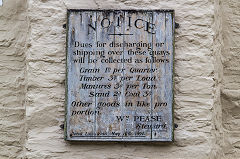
(112, 10)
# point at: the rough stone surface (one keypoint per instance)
(13, 37)
(230, 81)
(207, 82)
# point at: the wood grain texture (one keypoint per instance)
(124, 105)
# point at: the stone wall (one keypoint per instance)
(230, 83)
(32, 68)
(14, 28)
(217, 129)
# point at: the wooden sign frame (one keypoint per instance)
(119, 75)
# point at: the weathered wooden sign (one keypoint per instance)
(119, 75)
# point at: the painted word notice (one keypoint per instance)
(119, 84)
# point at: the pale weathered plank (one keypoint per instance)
(78, 34)
(107, 124)
(162, 96)
(134, 89)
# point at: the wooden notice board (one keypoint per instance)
(119, 82)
